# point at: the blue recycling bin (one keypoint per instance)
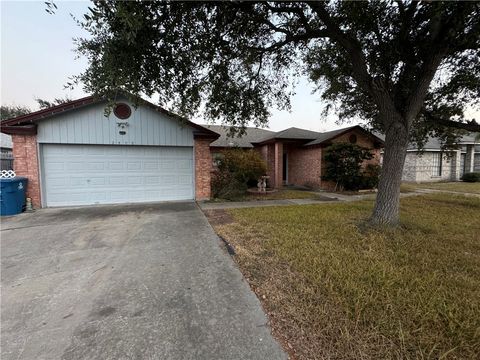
(12, 195)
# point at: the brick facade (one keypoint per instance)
(26, 164)
(419, 166)
(305, 166)
(203, 169)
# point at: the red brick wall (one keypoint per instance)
(304, 166)
(203, 169)
(26, 164)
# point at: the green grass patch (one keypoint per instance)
(473, 188)
(333, 290)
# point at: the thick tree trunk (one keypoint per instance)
(387, 204)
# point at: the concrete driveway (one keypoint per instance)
(125, 282)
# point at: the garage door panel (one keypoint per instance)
(91, 174)
(116, 165)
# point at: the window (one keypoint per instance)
(122, 111)
(437, 164)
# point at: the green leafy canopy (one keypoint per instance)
(234, 61)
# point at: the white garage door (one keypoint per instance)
(109, 174)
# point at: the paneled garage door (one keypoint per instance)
(109, 174)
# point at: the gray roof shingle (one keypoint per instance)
(257, 135)
(296, 133)
(328, 135)
(245, 141)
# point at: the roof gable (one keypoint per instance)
(26, 123)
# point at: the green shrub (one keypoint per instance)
(471, 177)
(370, 177)
(344, 166)
(236, 168)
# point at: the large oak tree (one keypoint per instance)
(410, 68)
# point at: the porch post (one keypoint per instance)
(457, 161)
(469, 158)
(278, 165)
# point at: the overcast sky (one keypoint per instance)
(37, 58)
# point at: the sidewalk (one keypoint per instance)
(435, 191)
(327, 198)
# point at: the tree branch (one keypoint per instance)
(352, 45)
(471, 126)
(292, 38)
(275, 27)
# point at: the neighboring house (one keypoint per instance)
(295, 156)
(6, 157)
(73, 155)
(434, 164)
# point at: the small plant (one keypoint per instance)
(344, 167)
(471, 177)
(236, 168)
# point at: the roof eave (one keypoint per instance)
(20, 129)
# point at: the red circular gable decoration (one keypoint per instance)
(122, 111)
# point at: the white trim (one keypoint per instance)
(194, 172)
(41, 174)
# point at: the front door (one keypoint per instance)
(285, 168)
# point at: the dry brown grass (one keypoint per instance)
(281, 194)
(334, 291)
(472, 188)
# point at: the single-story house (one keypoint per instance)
(434, 164)
(75, 154)
(72, 154)
(295, 156)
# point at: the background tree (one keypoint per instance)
(45, 104)
(410, 68)
(11, 111)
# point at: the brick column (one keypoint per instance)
(278, 182)
(203, 169)
(25, 163)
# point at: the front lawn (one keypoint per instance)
(281, 194)
(473, 188)
(334, 290)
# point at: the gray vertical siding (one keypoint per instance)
(89, 126)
